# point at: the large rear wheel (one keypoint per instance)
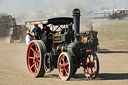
(35, 56)
(91, 62)
(65, 66)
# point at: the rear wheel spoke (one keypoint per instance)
(36, 47)
(33, 65)
(35, 70)
(30, 57)
(33, 50)
(37, 54)
(37, 64)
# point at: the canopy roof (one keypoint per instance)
(53, 21)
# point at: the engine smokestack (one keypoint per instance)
(76, 21)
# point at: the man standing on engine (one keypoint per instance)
(36, 32)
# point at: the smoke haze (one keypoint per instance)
(62, 7)
(20, 6)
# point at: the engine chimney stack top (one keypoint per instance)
(76, 11)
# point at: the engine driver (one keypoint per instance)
(46, 30)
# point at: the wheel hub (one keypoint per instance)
(91, 64)
(34, 58)
(62, 66)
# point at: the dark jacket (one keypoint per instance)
(46, 30)
(37, 32)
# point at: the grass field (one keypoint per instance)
(113, 30)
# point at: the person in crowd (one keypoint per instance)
(29, 37)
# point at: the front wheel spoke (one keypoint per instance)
(90, 55)
(63, 61)
(60, 64)
(89, 59)
(38, 57)
(62, 72)
(94, 65)
(85, 61)
(66, 64)
(93, 59)
(91, 71)
(86, 71)
(66, 72)
(62, 58)
(38, 61)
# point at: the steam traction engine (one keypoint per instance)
(18, 32)
(62, 50)
(6, 21)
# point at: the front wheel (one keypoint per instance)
(91, 62)
(65, 66)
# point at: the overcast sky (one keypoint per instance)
(20, 6)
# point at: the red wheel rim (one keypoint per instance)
(90, 67)
(63, 66)
(33, 58)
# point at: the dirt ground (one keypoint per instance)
(113, 58)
